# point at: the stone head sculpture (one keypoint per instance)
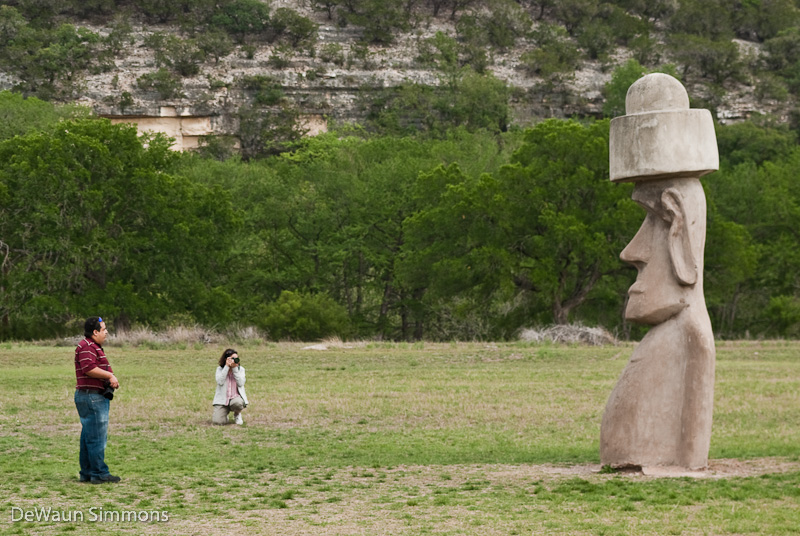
(659, 413)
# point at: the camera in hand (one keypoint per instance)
(235, 359)
(108, 392)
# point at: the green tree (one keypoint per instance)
(242, 19)
(616, 90)
(464, 98)
(699, 56)
(292, 27)
(162, 81)
(783, 56)
(711, 19)
(183, 56)
(19, 116)
(650, 10)
(505, 23)
(49, 63)
(758, 203)
(380, 19)
(574, 14)
(543, 233)
(555, 57)
(214, 44)
(98, 225)
(754, 142)
(759, 20)
(328, 219)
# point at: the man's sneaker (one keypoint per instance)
(105, 478)
(85, 479)
(239, 419)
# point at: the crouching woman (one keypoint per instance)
(230, 395)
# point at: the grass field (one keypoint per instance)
(395, 439)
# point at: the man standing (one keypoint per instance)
(93, 373)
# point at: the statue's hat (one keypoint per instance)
(660, 136)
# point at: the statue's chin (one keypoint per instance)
(639, 311)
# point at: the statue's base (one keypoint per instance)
(673, 471)
(663, 471)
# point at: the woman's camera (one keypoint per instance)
(231, 353)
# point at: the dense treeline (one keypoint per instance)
(467, 235)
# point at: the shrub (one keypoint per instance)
(119, 37)
(214, 44)
(296, 29)
(440, 51)
(182, 55)
(573, 14)
(771, 87)
(161, 11)
(758, 21)
(332, 53)
(164, 82)
(705, 18)
(569, 334)
(505, 23)
(360, 51)
(249, 51)
(783, 51)
(555, 55)
(596, 38)
(242, 19)
(304, 317)
(378, 18)
(624, 26)
(646, 49)
(267, 91)
(474, 43)
(280, 58)
(716, 60)
(125, 101)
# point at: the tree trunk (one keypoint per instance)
(122, 322)
(384, 310)
(346, 284)
(561, 309)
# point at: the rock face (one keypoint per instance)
(324, 92)
(335, 90)
(659, 413)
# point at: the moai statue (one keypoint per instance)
(659, 413)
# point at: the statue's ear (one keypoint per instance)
(680, 244)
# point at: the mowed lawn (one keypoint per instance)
(383, 438)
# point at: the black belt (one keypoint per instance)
(90, 390)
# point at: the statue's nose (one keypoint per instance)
(637, 252)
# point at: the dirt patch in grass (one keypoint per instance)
(720, 468)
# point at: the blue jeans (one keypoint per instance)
(93, 411)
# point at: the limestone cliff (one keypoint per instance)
(209, 102)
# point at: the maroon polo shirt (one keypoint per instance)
(90, 355)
